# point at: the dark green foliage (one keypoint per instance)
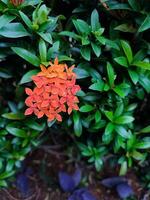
(109, 45)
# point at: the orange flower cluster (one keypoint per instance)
(16, 2)
(54, 92)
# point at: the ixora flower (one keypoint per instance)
(55, 92)
(16, 2)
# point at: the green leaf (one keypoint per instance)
(26, 19)
(145, 130)
(111, 74)
(27, 55)
(143, 145)
(119, 91)
(122, 132)
(134, 4)
(98, 164)
(85, 40)
(81, 26)
(119, 6)
(121, 61)
(86, 53)
(108, 134)
(86, 108)
(42, 50)
(77, 124)
(138, 156)
(134, 76)
(81, 73)
(123, 169)
(109, 115)
(125, 28)
(127, 50)
(122, 89)
(5, 175)
(96, 49)
(53, 50)
(4, 74)
(14, 30)
(16, 131)
(65, 58)
(95, 24)
(119, 109)
(140, 55)
(5, 19)
(27, 76)
(3, 132)
(124, 119)
(142, 64)
(145, 82)
(131, 107)
(47, 37)
(10, 165)
(101, 39)
(98, 86)
(42, 14)
(14, 116)
(70, 34)
(3, 183)
(34, 125)
(145, 25)
(112, 44)
(97, 116)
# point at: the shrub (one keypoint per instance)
(108, 44)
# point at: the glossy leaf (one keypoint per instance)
(124, 119)
(5, 19)
(145, 25)
(142, 64)
(111, 74)
(26, 19)
(97, 86)
(96, 49)
(113, 181)
(86, 108)
(16, 131)
(14, 30)
(81, 26)
(27, 76)
(95, 20)
(127, 50)
(27, 55)
(14, 116)
(124, 190)
(77, 124)
(121, 61)
(43, 50)
(86, 53)
(69, 182)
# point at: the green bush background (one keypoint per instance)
(108, 41)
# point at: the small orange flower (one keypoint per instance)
(55, 92)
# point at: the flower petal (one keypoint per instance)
(28, 111)
(28, 91)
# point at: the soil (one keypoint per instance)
(45, 163)
(43, 180)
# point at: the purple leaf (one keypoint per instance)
(113, 181)
(124, 190)
(88, 196)
(82, 194)
(66, 182)
(22, 183)
(69, 182)
(77, 177)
